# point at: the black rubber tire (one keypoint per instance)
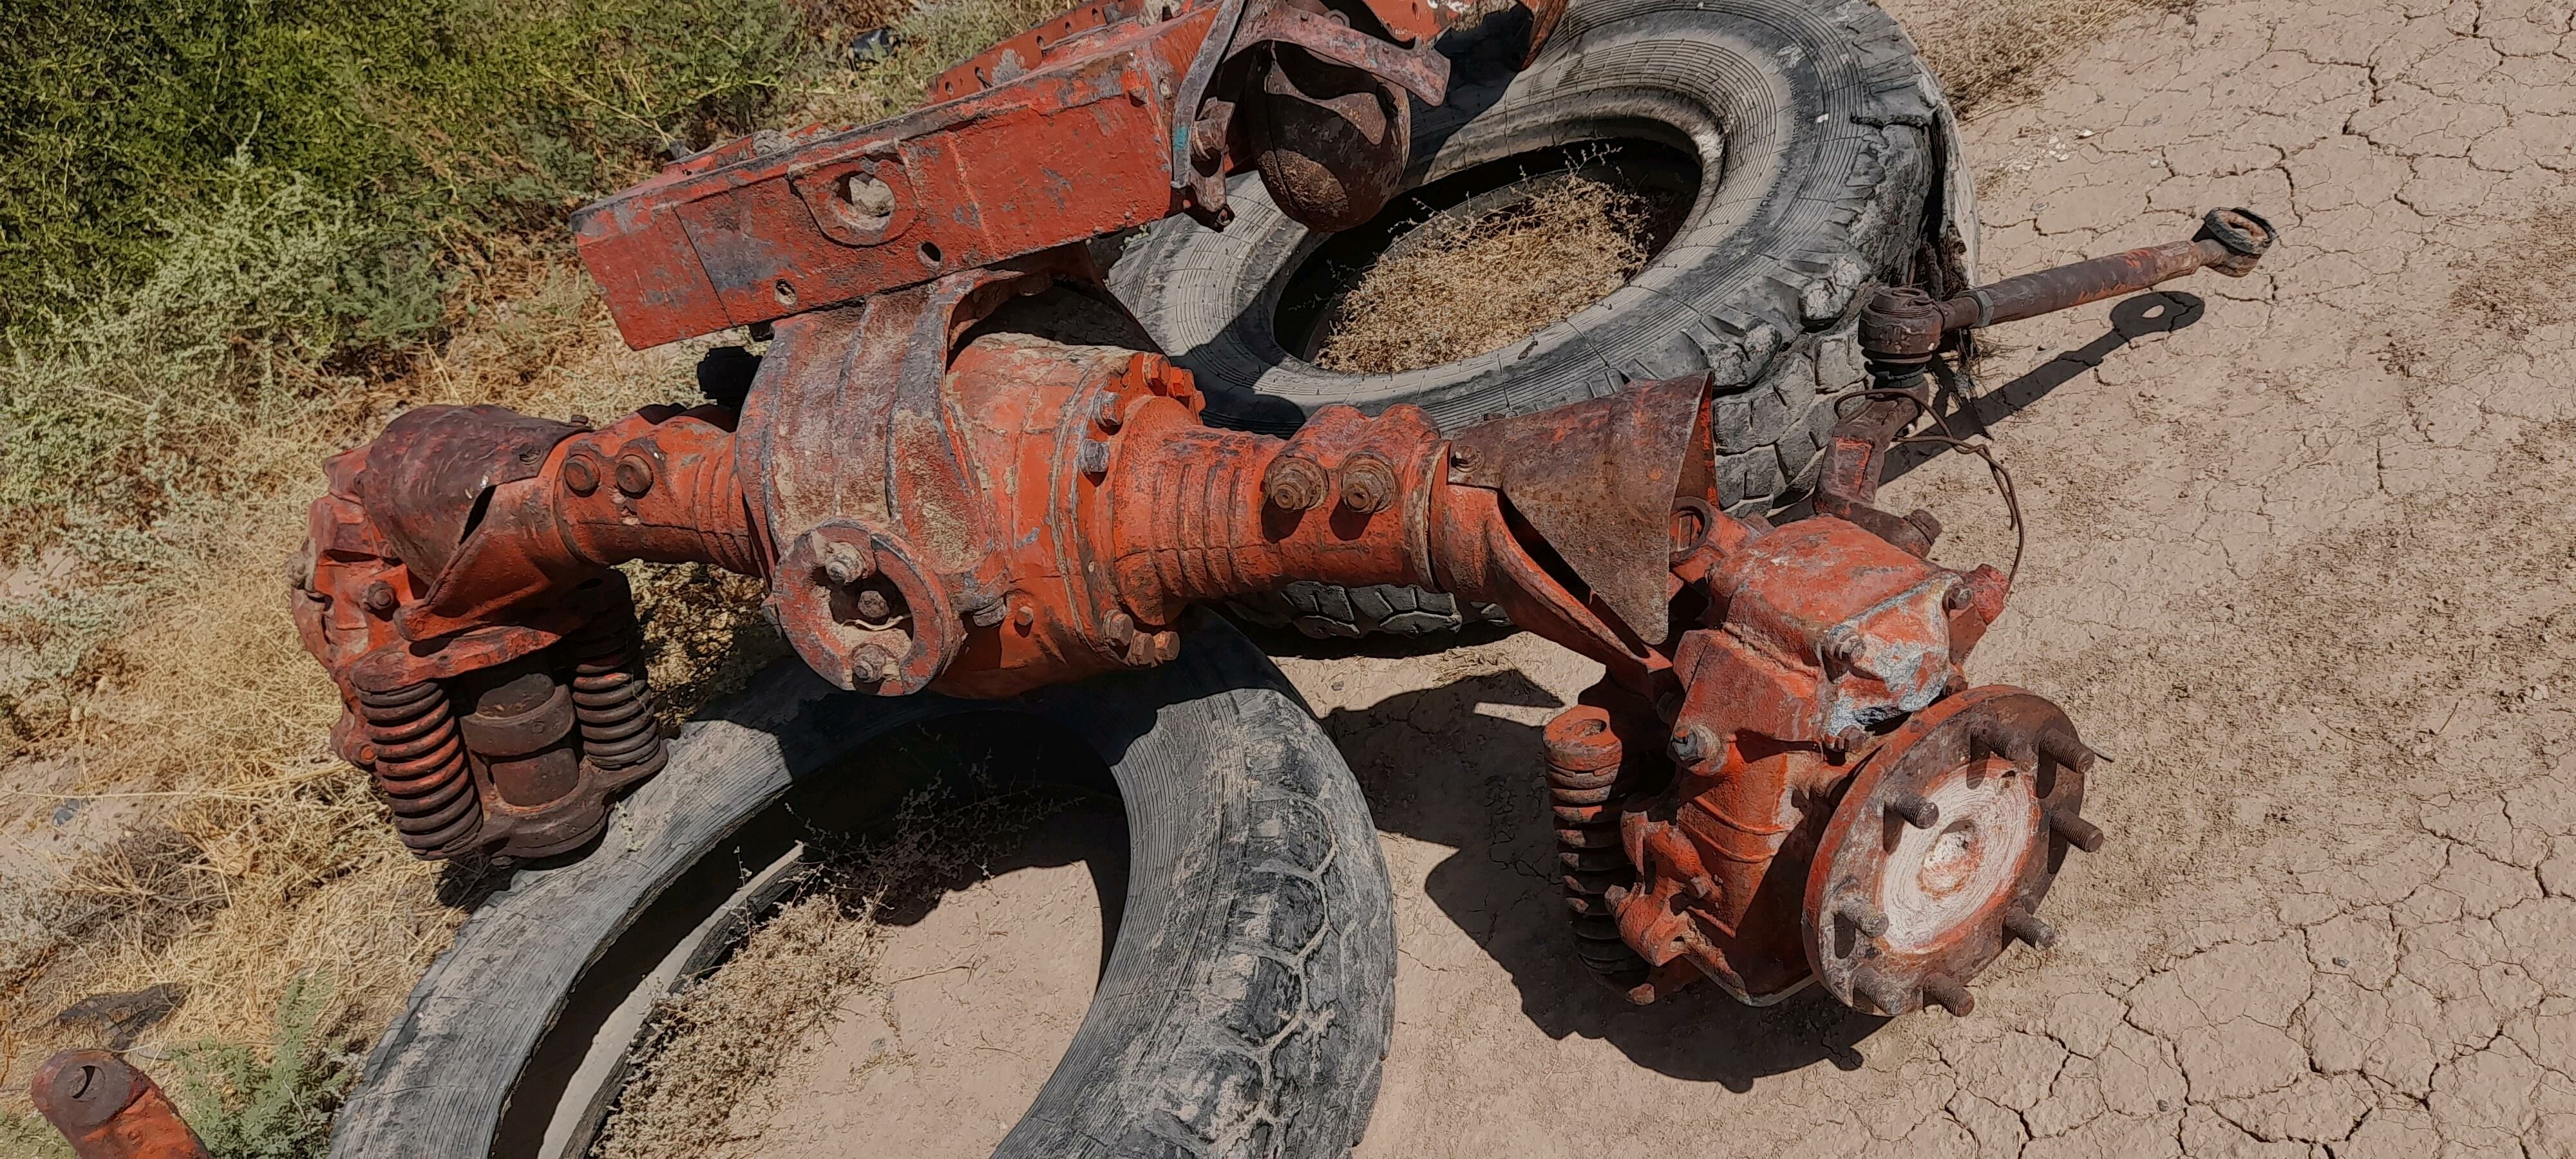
(1245, 1008)
(1824, 134)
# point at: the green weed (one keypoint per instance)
(441, 117)
(25, 1136)
(280, 1107)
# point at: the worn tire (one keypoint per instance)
(1827, 140)
(1245, 1008)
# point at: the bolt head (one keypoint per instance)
(1692, 744)
(1464, 458)
(634, 474)
(845, 564)
(581, 474)
(1024, 615)
(379, 598)
(873, 605)
(872, 665)
(1958, 598)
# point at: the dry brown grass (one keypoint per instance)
(1460, 286)
(731, 1030)
(268, 858)
(261, 858)
(1991, 53)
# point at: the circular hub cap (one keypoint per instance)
(1939, 879)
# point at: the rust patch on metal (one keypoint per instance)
(107, 1109)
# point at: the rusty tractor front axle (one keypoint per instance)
(1783, 777)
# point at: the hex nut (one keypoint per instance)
(1293, 482)
(1368, 483)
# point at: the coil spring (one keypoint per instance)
(611, 699)
(420, 767)
(1583, 791)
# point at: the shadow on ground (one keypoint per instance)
(1480, 793)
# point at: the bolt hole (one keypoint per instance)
(929, 254)
(786, 293)
(88, 1075)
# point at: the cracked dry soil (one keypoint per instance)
(2301, 548)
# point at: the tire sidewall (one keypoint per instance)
(1811, 122)
(1246, 1006)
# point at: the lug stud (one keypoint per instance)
(1916, 811)
(1865, 917)
(2077, 831)
(1945, 992)
(2027, 926)
(1889, 995)
(2067, 751)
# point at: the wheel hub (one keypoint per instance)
(1946, 840)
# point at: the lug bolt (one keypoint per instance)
(1368, 483)
(634, 474)
(1916, 811)
(1293, 482)
(1105, 414)
(1167, 647)
(1864, 916)
(1092, 457)
(1890, 996)
(2077, 831)
(2067, 751)
(845, 564)
(873, 606)
(2023, 924)
(1946, 992)
(1118, 628)
(580, 474)
(379, 598)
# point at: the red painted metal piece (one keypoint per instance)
(469, 541)
(109, 1110)
(1075, 129)
(989, 516)
(1947, 838)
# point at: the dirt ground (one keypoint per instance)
(2300, 559)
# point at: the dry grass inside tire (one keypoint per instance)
(1460, 286)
